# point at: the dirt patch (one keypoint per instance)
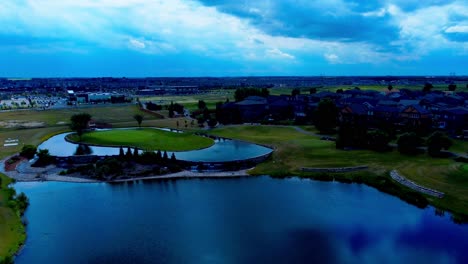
(21, 124)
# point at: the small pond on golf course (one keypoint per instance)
(223, 150)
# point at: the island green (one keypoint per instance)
(146, 138)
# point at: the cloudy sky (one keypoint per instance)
(47, 38)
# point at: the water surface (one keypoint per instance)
(248, 220)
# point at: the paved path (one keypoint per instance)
(191, 174)
(410, 184)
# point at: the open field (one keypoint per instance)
(12, 232)
(191, 101)
(146, 138)
(59, 117)
(295, 150)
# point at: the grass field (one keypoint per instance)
(146, 138)
(12, 232)
(295, 150)
(191, 101)
(60, 117)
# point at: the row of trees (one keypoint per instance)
(378, 140)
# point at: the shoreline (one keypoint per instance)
(25, 173)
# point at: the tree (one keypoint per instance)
(313, 90)
(408, 143)
(165, 156)
(129, 154)
(378, 140)
(339, 91)
(28, 151)
(325, 116)
(427, 87)
(212, 123)
(135, 153)
(139, 119)
(390, 87)
(452, 87)
(158, 156)
(121, 152)
(295, 92)
(242, 93)
(436, 142)
(44, 157)
(201, 104)
(173, 157)
(79, 122)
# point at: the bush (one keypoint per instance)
(408, 143)
(28, 151)
(378, 140)
(7, 260)
(436, 142)
(44, 158)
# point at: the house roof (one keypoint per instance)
(418, 108)
(386, 109)
(357, 109)
(457, 111)
(408, 102)
(253, 100)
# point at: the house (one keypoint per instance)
(416, 117)
(455, 119)
(253, 109)
(356, 114)
(386, 114)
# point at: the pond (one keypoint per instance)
(246, 220)
(221, 151)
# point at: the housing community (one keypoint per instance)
(404, 109)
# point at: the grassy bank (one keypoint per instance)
(295, 150)
(12, 231)
(145, 138)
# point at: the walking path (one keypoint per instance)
(410, 184)
(191, 174)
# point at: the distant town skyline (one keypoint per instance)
(144, 38)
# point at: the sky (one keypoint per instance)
(177, 38)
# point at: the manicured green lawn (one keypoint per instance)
(295, 150)
(12, 233)
(146, 138)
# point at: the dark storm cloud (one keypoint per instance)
(338, 21)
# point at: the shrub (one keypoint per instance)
(408, 143)
(28, 151)
(436, 142)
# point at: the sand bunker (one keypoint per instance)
(21, 124)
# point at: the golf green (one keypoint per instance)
(145, 138)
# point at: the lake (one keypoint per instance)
(246, 220)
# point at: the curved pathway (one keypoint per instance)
(412, 185)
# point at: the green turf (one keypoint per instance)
(295, 150)
(146, 138)
(12, 233)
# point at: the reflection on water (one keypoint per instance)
(247, 220)
(82, 149)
